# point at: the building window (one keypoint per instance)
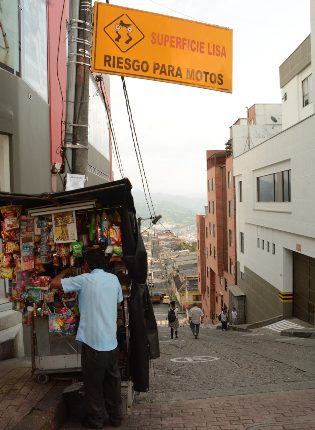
(206, 252)
(258, 242)
(10, 36)
(242, 245)
(240, 191)
(213, 207)
(206, 235)
(213, 230)
(214, 254)
(212, 184)
(209, 206)
(263, 244)
(230, 237)
(273, 248)
(207, 272)
(230, 208)
(208, 185)
(268, 246)
(210, 249)
(229, 179)
(242, 275)
(225, 284)
(230, 266)
(275, 187)
(307, 91)
(210, 228)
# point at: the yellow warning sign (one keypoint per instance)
(141, 44)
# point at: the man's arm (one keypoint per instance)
(55, 283)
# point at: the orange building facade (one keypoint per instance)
(216, 235)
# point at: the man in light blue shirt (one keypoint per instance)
(99, 293)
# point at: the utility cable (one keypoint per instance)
(144, 180)
(59, 149)
(112, 131)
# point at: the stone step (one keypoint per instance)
(11, 335)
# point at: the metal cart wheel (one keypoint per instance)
(42, 378)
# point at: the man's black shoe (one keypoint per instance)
(87, 424)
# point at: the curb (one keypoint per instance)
(306, 333)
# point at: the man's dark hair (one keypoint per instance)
(173, 304)
(96, 259)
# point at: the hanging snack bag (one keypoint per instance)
(104, 228)
(77, 249)
(11, 222)
(92, 228)
(115, 235)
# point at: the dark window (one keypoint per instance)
(230, 237)
(213, 207)
(275, 187)
(240, 189)
(268, 246)
(242, 275)
(212, 184)
(208, 185)
(225, 284)
(242, 244)
(273, 248)
(210, 250)
(258, 242)
(206, 235)
(213, 230)
(209, 207)
(262, 244)
(307, 91)
(265, 189)
(230, 208)
(287, 186)
(214, 254)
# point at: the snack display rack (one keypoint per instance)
(44, 234)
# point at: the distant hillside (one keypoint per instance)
(179, 210)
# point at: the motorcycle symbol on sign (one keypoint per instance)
(124, 32)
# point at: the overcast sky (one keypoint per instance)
(176, 124)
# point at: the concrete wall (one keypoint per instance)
(286, 226)
(24, 116)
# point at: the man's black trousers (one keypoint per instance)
(101, 377)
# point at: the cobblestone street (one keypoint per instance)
(227, 380)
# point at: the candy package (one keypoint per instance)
(77, 249)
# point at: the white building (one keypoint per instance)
(275, 204)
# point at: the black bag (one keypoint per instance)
(171, 315)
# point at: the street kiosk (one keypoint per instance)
(43, 234)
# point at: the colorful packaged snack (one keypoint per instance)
(115, 235)
(7, 260)
(77, 249)
(7, 273)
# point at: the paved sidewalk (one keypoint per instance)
(294, 410)
(20, 396)
(291, 410)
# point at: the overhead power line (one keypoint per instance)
(111, 128)
(143, 175)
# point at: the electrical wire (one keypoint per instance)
(112, 131)
(58, 150)
(177, 11)
(143, 175)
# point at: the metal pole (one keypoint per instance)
(71, 78)
(81, 105)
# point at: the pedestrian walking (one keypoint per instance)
(224, 319)
(99, 293)
(233, 316)
(195, 318)
(172, 317)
